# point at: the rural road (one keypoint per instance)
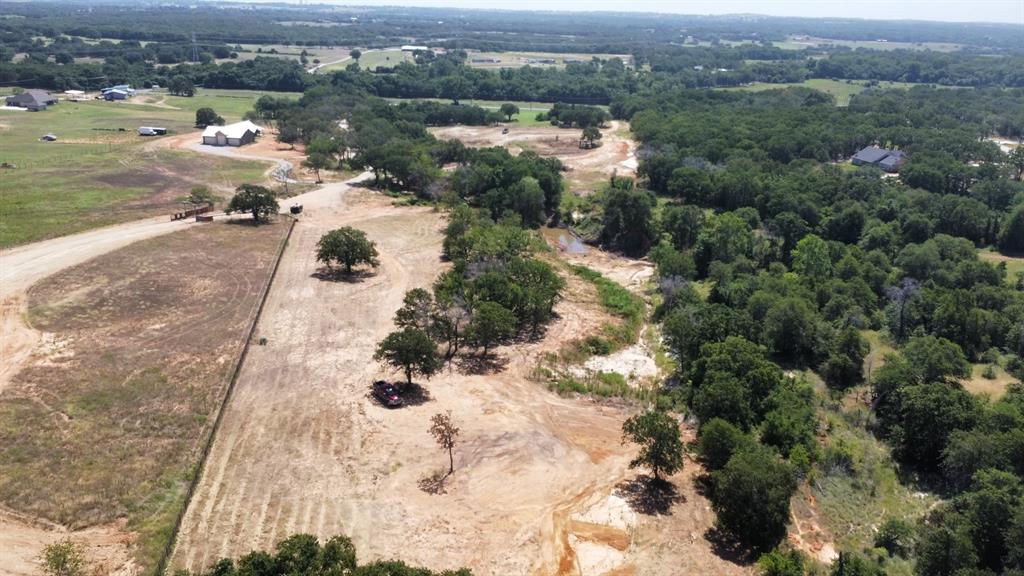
(23, 266)
(317, 68)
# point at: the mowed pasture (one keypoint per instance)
(106, 420)
(841, 90)
(371, 59)
(527, 115)
(324, 54)
(95, 174)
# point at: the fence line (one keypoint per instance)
(165, 556)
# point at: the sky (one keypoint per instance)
(1003, 11)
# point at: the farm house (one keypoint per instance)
(237, 134)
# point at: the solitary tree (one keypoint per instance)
(509, 110)
(410, 350)
(444, 431)
(317, 161)
(356, 54)
(207, 117)
(257, 200)
(491, 323)
(63, 558)
(348, 247)
(661, 448)
(590, 137)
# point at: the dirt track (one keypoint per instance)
(616, 154)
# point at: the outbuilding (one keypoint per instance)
(888, 160)
(237, 134)
(116, 94)
(32, 100)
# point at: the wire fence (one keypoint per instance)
(165, 555)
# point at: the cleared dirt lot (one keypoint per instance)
(617, 153)
(302, 448)
(101, 425)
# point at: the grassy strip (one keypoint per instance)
(619, 302)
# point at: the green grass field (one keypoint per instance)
(843, 90)
(1014, 264)
(95, 174)
(527, 110)
(371, 59)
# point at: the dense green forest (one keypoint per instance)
(150, 45)
(315, 25)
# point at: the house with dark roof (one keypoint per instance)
(32, 100)
(888, 160)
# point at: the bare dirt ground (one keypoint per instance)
(303, 448)
(282, 157)
(617, 153)
(107, 548)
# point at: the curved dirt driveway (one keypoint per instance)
(23, 266)
(21, 538)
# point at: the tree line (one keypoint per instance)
(799, 255)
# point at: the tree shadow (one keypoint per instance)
(704, 484)
(728, 548)
(329, 274)
(649, 496)
(434, 483)
(250, 222)
(477, 365)
(414, 395)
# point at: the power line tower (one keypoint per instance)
(195, 49)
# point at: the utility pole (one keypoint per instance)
(195, 49)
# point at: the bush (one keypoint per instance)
(896, 536)
(778, 563)
(751, 498)
(719, 441)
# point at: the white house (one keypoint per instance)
(411, 48)
(236, 134)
